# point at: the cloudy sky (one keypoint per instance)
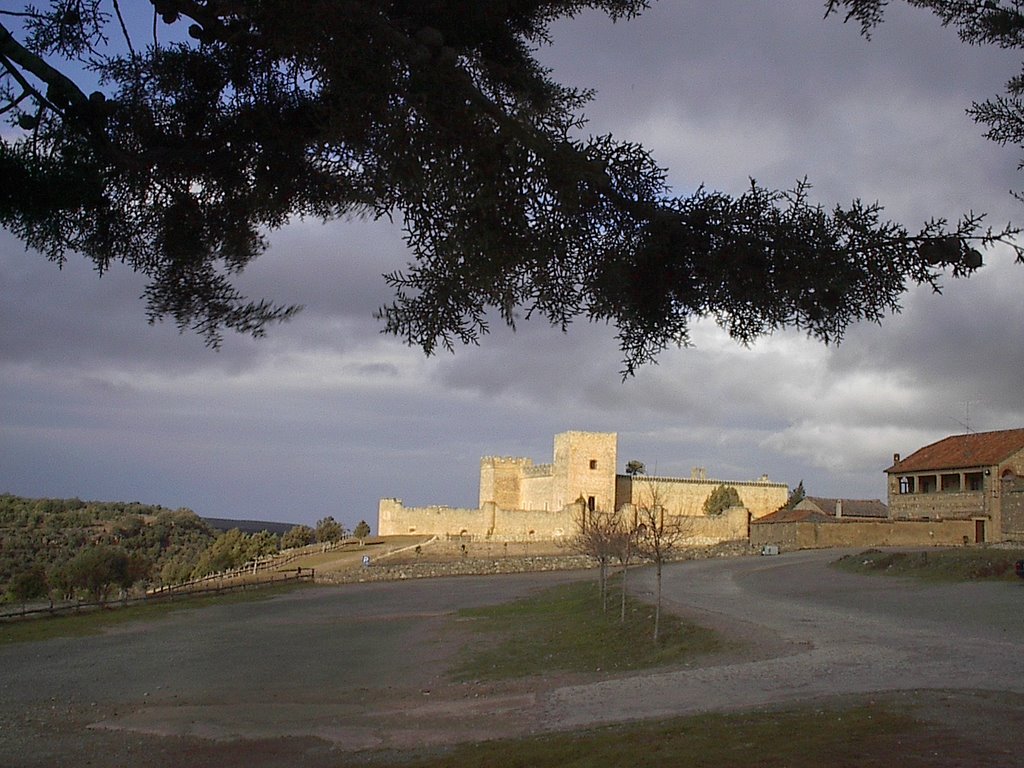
(326, 415)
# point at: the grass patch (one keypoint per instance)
(862, 736)
(96, 621)
(966, 564)
(564, 629)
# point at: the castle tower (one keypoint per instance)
(501, 479)
(585, 466)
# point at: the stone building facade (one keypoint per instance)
(974, 477)
(521, 500)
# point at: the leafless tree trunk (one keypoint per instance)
(597, 535)
(659, 533)
(626, 545)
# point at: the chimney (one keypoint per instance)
(895, 458)
(839, 508)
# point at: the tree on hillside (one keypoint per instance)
(298, 536)
(659, 534)
(722, 498)
(97, 569)
(216, 122)
(362, 530)
(60, 582)
(262, 544)
(29, 584)
(329, 529)
(234, 549)
(52, 532)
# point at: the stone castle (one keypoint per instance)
(523, 501)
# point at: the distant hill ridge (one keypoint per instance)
(248, 526)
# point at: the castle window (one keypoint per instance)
(593, 463)
(590, 503)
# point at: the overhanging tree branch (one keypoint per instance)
(441, 114)
(61, 91)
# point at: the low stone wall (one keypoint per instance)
(468, 567)
(446, 559)
(905, 533)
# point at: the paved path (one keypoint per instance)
(328, 670)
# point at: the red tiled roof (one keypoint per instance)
(978, 449)
(795, 516)
(851, 507)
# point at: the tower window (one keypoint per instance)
(593, 463)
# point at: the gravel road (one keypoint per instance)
(318, 674)
(817, 632)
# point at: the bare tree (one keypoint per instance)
(598, 534)
(625, 548)
(659, 533)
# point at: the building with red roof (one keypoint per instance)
(976, 477)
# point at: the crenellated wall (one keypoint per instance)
(488, 522)
(520, 500)
(687, 496)
(501, 479)
(395, 519)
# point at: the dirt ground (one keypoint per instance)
(337, 676)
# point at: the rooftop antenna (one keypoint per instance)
(966, 423)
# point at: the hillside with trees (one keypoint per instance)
(49, 536)
(67, 547)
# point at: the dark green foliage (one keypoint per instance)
(796, 496)
(721, 499)
(234, 549)
(163, 546)
(362, 530)
(967, 564)
(298, 536)
(96, 570)
(50, 532)
(329, 529)
(437, 114)
(30, 584)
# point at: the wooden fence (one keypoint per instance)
(242, 577)
(195, 589)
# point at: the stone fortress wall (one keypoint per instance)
(686, 496)
(523, 501)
